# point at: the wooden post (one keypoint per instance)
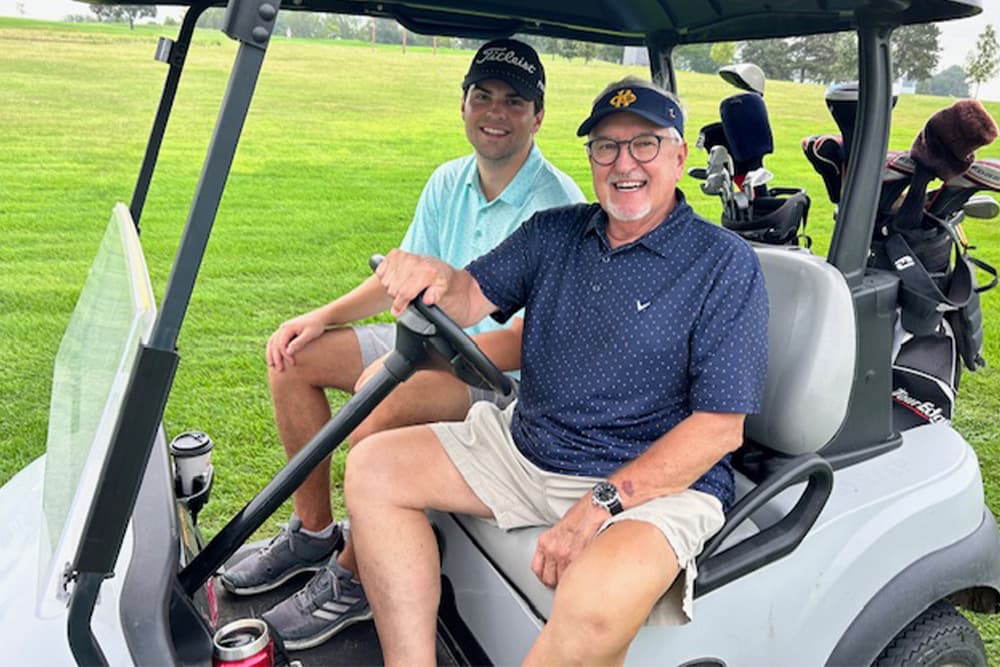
(372, 28)
(434, 45)
(404, 41)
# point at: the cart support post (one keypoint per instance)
(176, 57)
(850, 244)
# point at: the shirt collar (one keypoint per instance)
(657, 239)
(520, 188)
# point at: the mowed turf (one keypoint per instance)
(337, 145)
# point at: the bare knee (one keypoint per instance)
(332, 360)
(578, 611)
(363, 471)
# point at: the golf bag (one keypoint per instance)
(940, 323)
(775, 218)
(759, 214)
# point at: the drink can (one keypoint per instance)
(243, 643)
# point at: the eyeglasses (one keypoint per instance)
(642, 148)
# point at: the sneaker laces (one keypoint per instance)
(324, 579)
(266, 549)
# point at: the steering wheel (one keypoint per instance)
(466, 359)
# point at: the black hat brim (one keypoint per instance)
(522, 88)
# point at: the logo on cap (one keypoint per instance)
(624, 98)
(507, 56)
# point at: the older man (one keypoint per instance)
(644, 346)
(468, 206)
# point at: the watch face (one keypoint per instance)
(605, 492)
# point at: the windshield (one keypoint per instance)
(115, 311)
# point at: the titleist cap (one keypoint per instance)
(512, 62)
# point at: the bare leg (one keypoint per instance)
(391, 478)
(426, 397)
(301, 410)
(605, 596)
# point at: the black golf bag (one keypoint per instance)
(775, 216)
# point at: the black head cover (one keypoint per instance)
(748, 131)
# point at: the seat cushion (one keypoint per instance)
(811, 352)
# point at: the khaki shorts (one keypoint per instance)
(376, 340)
(521, 494)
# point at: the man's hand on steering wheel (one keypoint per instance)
(413, 277)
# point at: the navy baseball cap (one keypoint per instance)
(512, 62)
(648, 103)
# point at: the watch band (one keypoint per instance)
(605, 494)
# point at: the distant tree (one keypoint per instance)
(771, 55)
(20, 7)
(845, 68)
(388, 31)
(309, 25)
(723, 53)
(611, 53)
(981, 65)
(122, 13)
(213, 18)
(695, 58)
(916, 51)
(951, 82)
(815, 57)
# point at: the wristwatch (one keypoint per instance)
(605, 494)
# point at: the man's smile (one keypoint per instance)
(494, 131)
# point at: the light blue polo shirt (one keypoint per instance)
(454, 222)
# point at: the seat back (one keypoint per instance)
(812, 349)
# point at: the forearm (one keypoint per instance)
(503, 346)
(365, 300)
(678, 458)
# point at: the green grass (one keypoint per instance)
(337, 145)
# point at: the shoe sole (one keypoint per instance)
(326, 635)
(270, 585)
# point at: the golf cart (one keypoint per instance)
(852, 540)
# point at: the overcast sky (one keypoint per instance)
(957, 37)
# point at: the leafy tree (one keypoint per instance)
(213, 18)
(951, 82)
(122, 13)
(388, 31)
(300, 24)
(771, 55)
(723, 53)
(981, 64)
(695, 58)
(916, 51)
(845, 68)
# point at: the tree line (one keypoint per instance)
(825, 59)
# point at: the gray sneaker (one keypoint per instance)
(332, 600)
(289, 553)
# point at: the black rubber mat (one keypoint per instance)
(355, 646)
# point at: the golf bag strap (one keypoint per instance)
(920, 294)
(986, 268)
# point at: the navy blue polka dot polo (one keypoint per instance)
(622, 344)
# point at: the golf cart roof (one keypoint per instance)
(634, 21)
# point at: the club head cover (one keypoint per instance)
(947, 143)
(825, 153)
(945, 148)
(712, 135)
(748, 130)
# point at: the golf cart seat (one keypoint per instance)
(812, 350)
